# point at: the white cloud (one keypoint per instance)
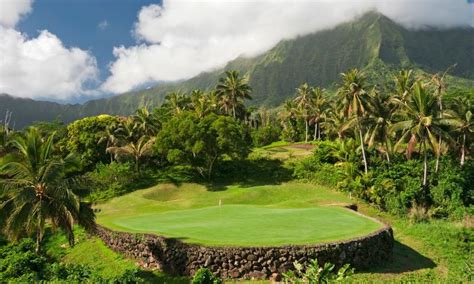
(11, 11)
(180, 39)
(103, 25)
(42, 67)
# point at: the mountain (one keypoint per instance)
(373, 43)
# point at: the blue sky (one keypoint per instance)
(78, 24)
(76, 50)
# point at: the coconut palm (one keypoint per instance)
(303, 103)
(319, 107)
(379, 120)
(419, 123)
(146, 122)
(176, 102)
(136, 150)
(109, 135)
(403, 84)
(233, 90)
(460, 116)
(38, 191)
(354, 98)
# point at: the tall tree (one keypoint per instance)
(419, 123)
(380, 113)
(233, 90)
(353, 97)
(38, 190)
(319, 107)
(460, 116)
(303, 103)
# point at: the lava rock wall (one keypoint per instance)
(178, 258)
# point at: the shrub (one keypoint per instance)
(313, 273)
(265, 135)
(205, 276)
(110, 180)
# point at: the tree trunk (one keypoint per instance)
(425, 165)
(38, 240)
(438, 154)
(463, 149)
(233, 111)
(137, 165)
(307, 129)
(363, 150)
(387, 154)
(315, 131)
(211, 165)
(319, 131)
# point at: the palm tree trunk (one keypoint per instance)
(319, 131)
(38, 240)
(307, 129)
(387, 154)
(438, 154)
(363, 149)
(463, 149)
(315, 131)
(233, 111)
(137, 165)
(425, 165)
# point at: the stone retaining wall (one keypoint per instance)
(178, 258)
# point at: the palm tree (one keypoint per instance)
(379, 120)
(176, 102)
(319, 107)
(233, 90)
(403, 84)
(460, 116)
(353, 98)
(109, 135)
(303, 104)
(38, 191)
(137, 150)
(146, 122)
(420, 122)
(440, 89)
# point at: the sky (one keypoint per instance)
(76, 50)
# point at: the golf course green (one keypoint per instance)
(246, 216)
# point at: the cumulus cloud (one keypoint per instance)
(43, 67)
(181, 38)
(40, 67)
(11, 11)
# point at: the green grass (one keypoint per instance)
(284, 214)
(284, 150)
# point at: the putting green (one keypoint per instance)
(255, 218)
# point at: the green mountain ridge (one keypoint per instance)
(373, 43)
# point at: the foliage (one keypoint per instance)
(109, 180)
(265, 135)
(205, 276)
(84, 139)
(19, 263)
(38, 190)
(202, 142)
(314, 274)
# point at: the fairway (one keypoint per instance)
(248, 217)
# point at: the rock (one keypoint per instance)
(251, 257)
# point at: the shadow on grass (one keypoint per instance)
(249, 173)
(405, 259)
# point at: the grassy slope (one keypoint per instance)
(269, 215)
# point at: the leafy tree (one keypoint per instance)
(84, 139)
(354, 99)
(38, 189)
(201, 143)
(232, 91)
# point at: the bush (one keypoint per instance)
(313, 273)
(19, 263)
(265, 135)
(110, 180)
(205, 276)
(311, 170)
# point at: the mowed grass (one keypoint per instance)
(285, 150)
(285, 214)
